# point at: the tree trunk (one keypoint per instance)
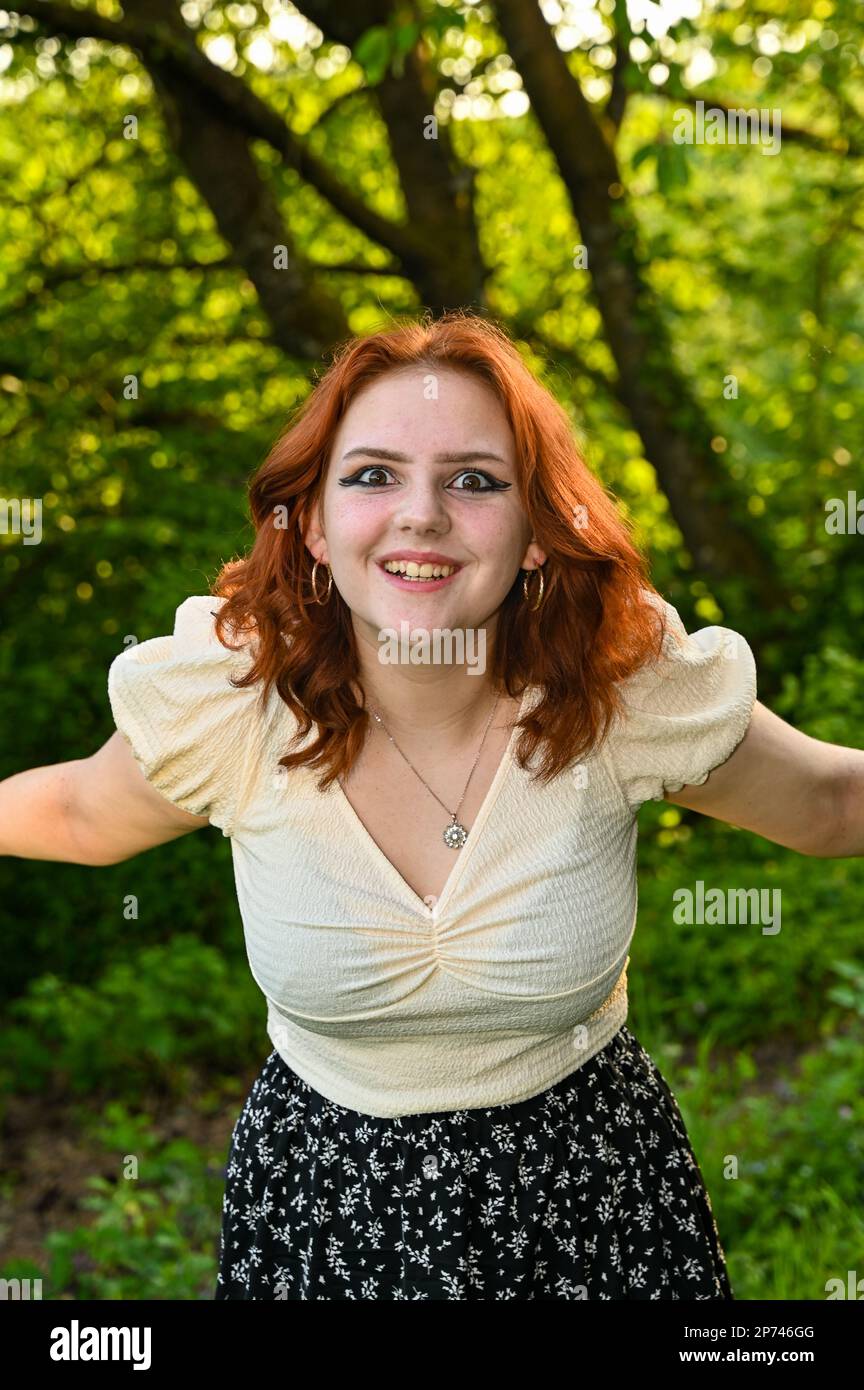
(720, 534)
(438, 191)
(305, 320)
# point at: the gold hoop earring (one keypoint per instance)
(534, 606)
(326, 597)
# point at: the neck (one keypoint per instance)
(449, 701)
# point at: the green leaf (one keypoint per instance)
(373, 51)
(672, 170)
(405, 37)
(645, 152)
(441, 20)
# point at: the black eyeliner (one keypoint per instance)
(494, 484)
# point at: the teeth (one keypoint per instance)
(410, 569)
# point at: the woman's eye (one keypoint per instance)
(372, 468)
(483, 477)
(478, 482)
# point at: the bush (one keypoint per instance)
(144, 1022)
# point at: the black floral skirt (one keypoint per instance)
(589, 1190)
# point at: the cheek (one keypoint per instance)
(357, 523)
(494, 533)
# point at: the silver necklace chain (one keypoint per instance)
(455, 834)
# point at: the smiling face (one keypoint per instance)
(430, 482)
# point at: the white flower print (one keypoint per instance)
(589, 1190)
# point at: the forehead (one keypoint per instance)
(425, 410)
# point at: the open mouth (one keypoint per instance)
(417, 575)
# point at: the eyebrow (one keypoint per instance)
(466, 456)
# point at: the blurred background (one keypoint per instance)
(199, 201)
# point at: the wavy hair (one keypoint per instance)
(598, 622)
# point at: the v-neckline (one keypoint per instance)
(389, 868)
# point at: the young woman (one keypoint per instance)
(434, 847)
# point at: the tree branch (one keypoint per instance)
(615, 106)
(79, 273)
(162, 48)
(438, 189)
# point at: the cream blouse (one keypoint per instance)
(517, 975)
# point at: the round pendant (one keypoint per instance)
(455, 835)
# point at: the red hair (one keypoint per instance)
(596, 625)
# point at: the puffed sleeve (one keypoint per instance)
(191, 732)
(685, 712)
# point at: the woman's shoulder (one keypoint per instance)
(193, 634)
(685, 710)
(686, 663)
(194, 733)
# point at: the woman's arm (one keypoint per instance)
(98, 810)
(789, 787)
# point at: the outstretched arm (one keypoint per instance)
(98, 810)
(789, 787)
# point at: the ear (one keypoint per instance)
(313, 535)
(533, 558)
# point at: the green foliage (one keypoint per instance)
(671, 160)
(154, 1236)
(68, 920)
(140, 1245)
(790, 1216)
(827, 699)
(382, 47)
(144, 1024)
(732, 983)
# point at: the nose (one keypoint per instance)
(422, 506)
